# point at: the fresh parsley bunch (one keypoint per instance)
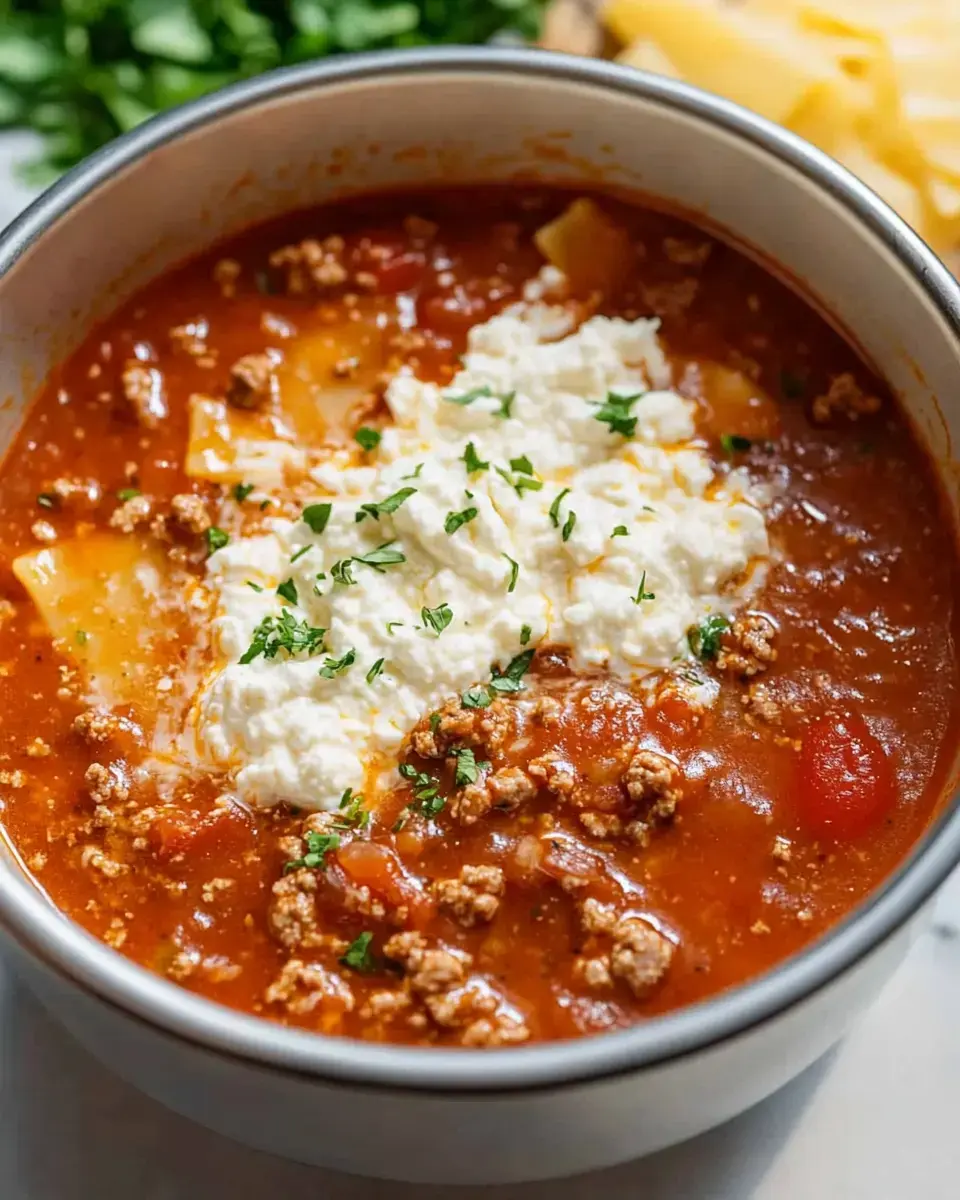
(81, 71)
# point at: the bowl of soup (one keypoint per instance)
(479, 554)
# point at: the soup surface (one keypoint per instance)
(469, 618)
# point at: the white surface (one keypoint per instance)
(875, 1120)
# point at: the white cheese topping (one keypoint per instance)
(292, 734)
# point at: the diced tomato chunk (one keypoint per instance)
(846, 781)
(368, 864)
(222, 829)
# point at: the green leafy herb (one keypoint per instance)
(506, 404)
(615, 412)
(319, 846)
(392, 625)
(377, 508)
(265, 504)
(382, 556)
(642, 593)
(476, 697)
(241, 491)
(375, 670)
(525, 632)
(47, 500)
(435, 720)
(733, 442)
(457, 519)
(568, 525)
(255, 586)
(216, 538)
(288, 591)
(520, 482)
(521, 465)
(466, 769)
(426, 790)
(317, 516)
(333, 667)
(792, 385)
(342, 572)
(126, 494)
(555, 508)
(514, 572)
(286, 633)
(465, 398)
(518, 666)
(366, 438)
(82, 637)
(357, 955)
(295, 557)
(351, 814)
(620, 531)
(415, 473)
(473, 461)
(437, 618)
(704, 639)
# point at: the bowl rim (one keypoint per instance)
(43, 933)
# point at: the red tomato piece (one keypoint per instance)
(190, 838)
(368, 864)
(846, 781)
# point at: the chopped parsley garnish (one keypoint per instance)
(525, 632)
(255, 586)
(792, 385)
(732, 442)
(615, 412)
(392, 625)
(319, 846)
(265, 504)
(555, 508)
(437, 618)
(288, 591)
(465, 398)
(286, 633)
(382, 556)
(357, 955)
(509, 680)
(350, 813)
(336, 666)
(342, 572)
(476, 697)
(642, 593)
(506, 404)
(366, 438)
(47, 500)
(568, 525)
(300, 553)
(317, 516)
(514, 571)
(426, 790)
(620, 531)
(216, 538)
(240, 491)
(704, 639)
(473, 461)
(521, 465)
(376, 508)
(82, 637)
(375, 670)
(435, 720)
(520, 482)
(126, 494)
(466, 769)
(415, 473)
(457, 519)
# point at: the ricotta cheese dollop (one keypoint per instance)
(550, 494)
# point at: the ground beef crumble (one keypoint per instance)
(453, 725)
(253, 380)
(747, 647)
(143, 388)
(844, 397)
(474, 896)
(504, 789)
(652, 782)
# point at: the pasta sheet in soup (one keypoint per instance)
(469, 618)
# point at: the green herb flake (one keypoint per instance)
(241, 491)
(555, 508)
(300, 553)
(519, 482)
(378, 508)
(82, 637)
(704, 639)
(506, 404)
(476, 697)
(392, 625)
(615, 412)
(620, 531)
(367, 439)
(333, 667)
(415, 473)
(521, 465)
(514, 572)
(216, 539)
(383, 556)
(455, 520)
(732, 443)
(254, 586)
(642, 593)
(568, 526)
(509, 680)
(437, 618)
(126, 494)
(342, 572)
(357, 955)
(472, 460)
(288, 591)
(426, 789)
(285, 633)
(375, 670)
(350, 813)
(465, 768)
(435, 720)
(525, 632)
(317, 516)
(319, 846)
(465, 398)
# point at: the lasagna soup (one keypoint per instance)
(469, 618)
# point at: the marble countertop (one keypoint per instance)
(876, 1119)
